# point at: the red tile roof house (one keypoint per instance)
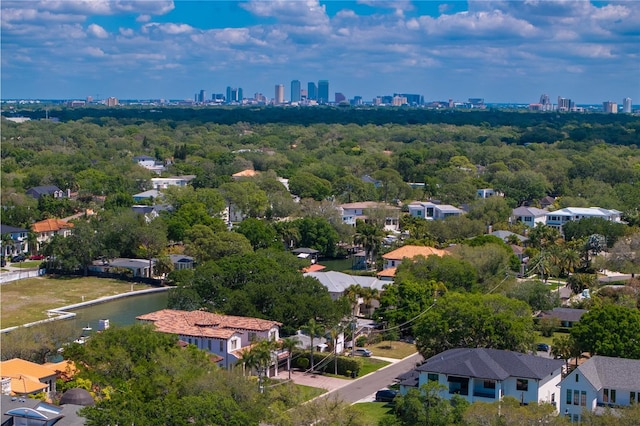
(226, 336)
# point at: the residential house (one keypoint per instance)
(247, 173)
(306, 253)
(337, 282)
(138, 267)
(34, 412)
(165, 182)
(601, 381)
(181, 261)
(368, 179)
(149, 163)
(39, 191)
(432, 211)
(558, 218)
(151, 212)
(394, 258)
(48, 228)
(28, 378)
(488, 375)
(488, 192)
(351, 212)
(151, 194)
(530, 216)
(16, 240)
(547, 202)
(507, 236)
(225, 336)
(567, 317)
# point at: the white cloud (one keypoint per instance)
(93, 51)
(97, 31)
(143, 18)
(168, 28)
(127, 32)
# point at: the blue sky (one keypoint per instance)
(503, 51)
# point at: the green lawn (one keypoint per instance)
(28, 300)
(309, 392)
(373, 412)
(28, 264)
(396, 350)
(370, 365)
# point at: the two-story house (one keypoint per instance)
(394, 258)
(600, 381)
(226, 336)
(52, 190)
(487, 375)
(14, 240)
(530, 216)
(351, 212)
(558, 218)
(165, 182)
(48, 228)
(431, 211)
(28, 378)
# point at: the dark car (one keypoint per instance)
(18, 258)
(386, 395)
(542, 347)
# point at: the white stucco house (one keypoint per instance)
(530, 216)
(431, 211)
(558, 218)
(487, 375)
(225, 336)
(351, 212)
(600, 381)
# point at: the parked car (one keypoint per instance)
(18, 258)
(36, 257)
(386, 395)
(362, 352)
(542, 347)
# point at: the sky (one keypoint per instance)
(502, 51)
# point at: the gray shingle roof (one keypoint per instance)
(564, 314)
(609, 372)
(337, 282)
(490, 364)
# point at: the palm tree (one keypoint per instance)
(289, 344)
(247, 359)
(314, 330)
(335, 333)
(163, 266)
(370, 237)
(369, 295)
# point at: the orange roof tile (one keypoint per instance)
(204, 324)
(25, 375)
(389, 272)
(245, 173)
(65, 369)
(413, 251)
(313, 268)
(49, 225)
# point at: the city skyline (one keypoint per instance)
(500, 51)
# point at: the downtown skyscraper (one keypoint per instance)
(323, 91)
(312, 91)
(295, 91)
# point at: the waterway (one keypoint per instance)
(119, 312)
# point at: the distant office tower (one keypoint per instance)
(357, 100)
(228, 97)
(202, 97)
(240, 95)
(217, 97)
(303, 94)
(399, 100)
(312, 91)
(610, 107)
(111, 102)
(412, 99)
(295, 91)
(339, 97)
(387, 99)
(323, 91)
(626, 105)
(564, 104)
(279, 98)
(545, 102)
(260, 98)
(234, 94)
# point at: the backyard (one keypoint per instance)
(28, 300)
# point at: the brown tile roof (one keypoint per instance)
(413, 251)
(245, 173)
(314, 268)
(389, 272)
(49, 225)
(204, 324)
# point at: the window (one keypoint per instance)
(221, 346)
(632, 397)
(252, 336)
(612, 394)
(432, 377)
(489, 384)
(568, 396)
(522, 385)
(576, 418)
(576, 397)
(577, 378)
(209, 343)
(605, 395)
(234, 344)
(583, 398)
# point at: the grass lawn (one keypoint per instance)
(370, 365)
(396, 350)
(27, 300)
(28, 264)
(373, 412)
(309, 392)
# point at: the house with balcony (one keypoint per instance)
(14, 240)
(27, 378)
(530, 216)
(225, 336)
(488, 375)
(488, 192)
(600, 382)
(556, 219)
(351, 212)
(432, 211)
(165, 182)
(49, 228)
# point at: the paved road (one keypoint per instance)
(359, 389)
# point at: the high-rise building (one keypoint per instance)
(111, 102)
(564, 104)
(228, 97)
(545, 103)
(312, 91)
(234, 94)
(610, 107)
(202, 96)
(323, 91)
(412, 98)
(239, 94)
(626, 105)
(279, 97)
(339, 97)
(295, 91)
